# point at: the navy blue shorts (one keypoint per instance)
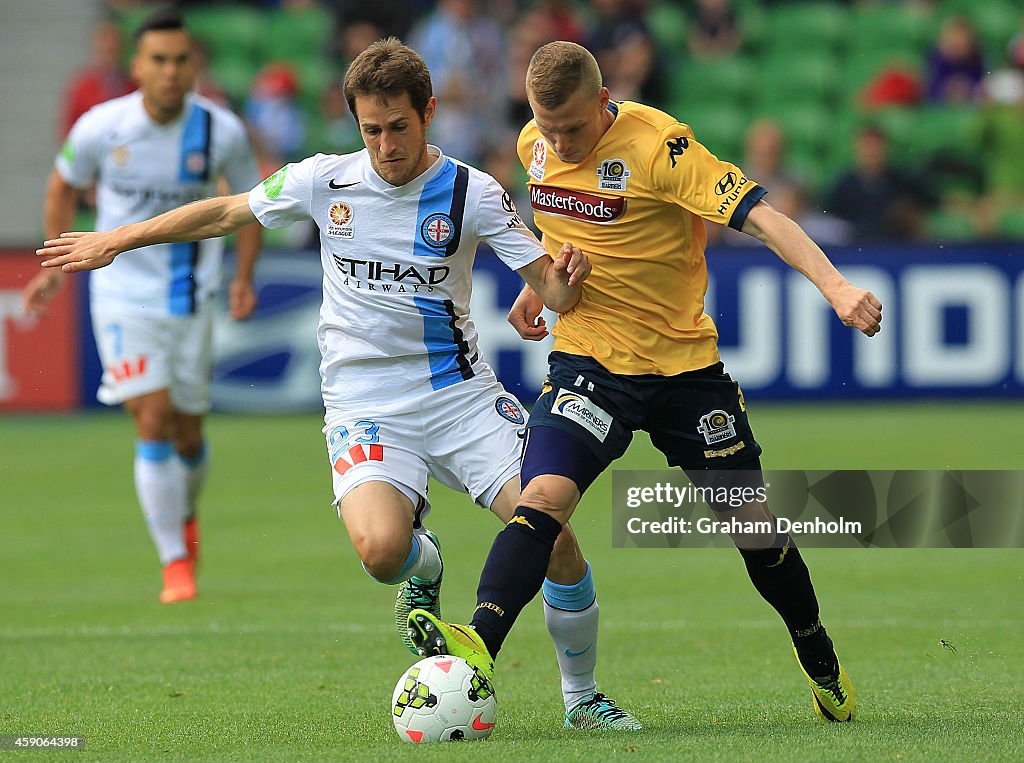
(697, 419)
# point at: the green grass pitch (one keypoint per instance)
(290, 652)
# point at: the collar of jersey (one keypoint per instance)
(415, 185)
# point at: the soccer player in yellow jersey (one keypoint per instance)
(631, 186)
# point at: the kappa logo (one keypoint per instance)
(676, 147)
(509, 410)
(519, 519)
(437, 230)
(583, 411)
(612, 175)
(540, 156)
(717, 426)
(339, 220)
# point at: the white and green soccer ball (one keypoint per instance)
(443, 699)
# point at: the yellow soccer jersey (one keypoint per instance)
(635, 207)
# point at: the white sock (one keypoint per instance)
(196, 469)
(571, 614)
(160, 486)
(423, 562)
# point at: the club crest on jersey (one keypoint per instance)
(437, 230)
(120, 155)
(583, 411)
(540, 156)
(612, 175)
(339, 220)
(195, 162)
(717, 426)
(509, 409)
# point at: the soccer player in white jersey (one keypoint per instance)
(407, 393)
(149, 152)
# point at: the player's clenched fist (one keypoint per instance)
(858, 308)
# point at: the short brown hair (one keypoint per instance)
(559, 69)
(386, 69)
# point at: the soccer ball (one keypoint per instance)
(443, 699)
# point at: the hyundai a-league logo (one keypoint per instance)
(437, 230)
(540, 156)
(717, 426)
(509, 409)
(339, 220)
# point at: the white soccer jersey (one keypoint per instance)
(397, 268)
(142, 169)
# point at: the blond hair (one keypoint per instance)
(560, 69)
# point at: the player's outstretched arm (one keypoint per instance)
(856, 307)
(557, 281)
(208, 218)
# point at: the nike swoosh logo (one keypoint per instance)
(571, 653)
(479, 725)
(338, 186)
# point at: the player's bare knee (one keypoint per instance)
(381, 557)
(556, 496)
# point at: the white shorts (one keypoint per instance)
(143, 354)
(467, 436)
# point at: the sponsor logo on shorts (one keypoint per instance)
(540, 156)
(437, 230)
(339, 220)
(509, 409)
(580, 409)
(725, 451)
(124, 370)
(717, 426)
(612, 175)
(576, 204)
(519, 519)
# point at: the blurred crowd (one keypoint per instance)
(879, 120)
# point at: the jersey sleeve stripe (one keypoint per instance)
(739, 215)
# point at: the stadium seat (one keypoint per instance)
(939, 128)
(235, 74)
(315, 74)
(720, 127)
(1011, 225)
(668, 23)
(229, 30)
(949, 225)
(729, 80)
(819, 26)
(301, 33)
(892, 27)
(811, 76)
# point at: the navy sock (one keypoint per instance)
(513, 573)
(781, 577)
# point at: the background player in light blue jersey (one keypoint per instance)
(148, 152)
(406, 390)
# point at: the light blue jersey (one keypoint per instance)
(142, 169)
(397, 266)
